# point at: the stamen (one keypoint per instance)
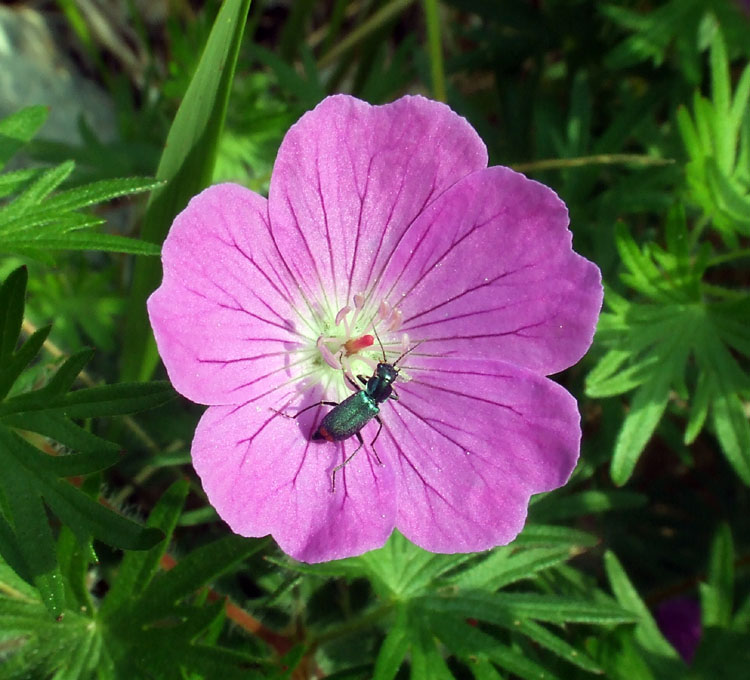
(384, 310)
(395, 320)
(356, 344)
(327, 355)
(342, 314)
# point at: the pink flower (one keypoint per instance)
(380, 217)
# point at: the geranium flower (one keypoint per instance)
(380, 221)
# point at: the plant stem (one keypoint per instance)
(382, 16)
(583, 161)
(435, 49)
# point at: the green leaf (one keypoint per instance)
(426, 659)
(44, 185)
(12, 293)
(647, 632)
(585, 503)
(103, 453)
(467, 642)
(99, 192)
(196, 569)
(648, 404)
(13, 366)
(394, 648)
(84, 515)
(32, 534)
(16, 130)
(138, 569)
(698, 407)
(186, 167)
(716, 595)
(104, 400)
(22, 244)
(502, 567)
(733, 431)
(10, 182)
(504, 608)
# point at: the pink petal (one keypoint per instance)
(488, 271)
(474, 439)
(263, 475)
(349, 179)
(224, 316)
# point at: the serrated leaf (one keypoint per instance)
(10, 182)
(623, 380)
(729, 197)
(82, 514)
(503, 567)
(44, 185)
(99, 192)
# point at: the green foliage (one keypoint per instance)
(650, 344)
(717, 140)
(35, 220)
(636, 114)
(147, 623)
(33, 478)
(186, 167)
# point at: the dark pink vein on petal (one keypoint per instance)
(467, 291)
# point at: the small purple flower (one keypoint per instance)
(380, 220)
(679, 619)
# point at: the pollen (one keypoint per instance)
(354, 345)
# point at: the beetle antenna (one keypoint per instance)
(382, 349)
(403, 354)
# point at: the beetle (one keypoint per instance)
(347, 418)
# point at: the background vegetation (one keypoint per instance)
(113, 565)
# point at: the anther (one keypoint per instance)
(356, 344)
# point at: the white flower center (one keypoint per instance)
(352, 344)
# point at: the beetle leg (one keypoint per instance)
(307, 408)
(377, 434)
(338, 467)
(352, 383)
(393, 395)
